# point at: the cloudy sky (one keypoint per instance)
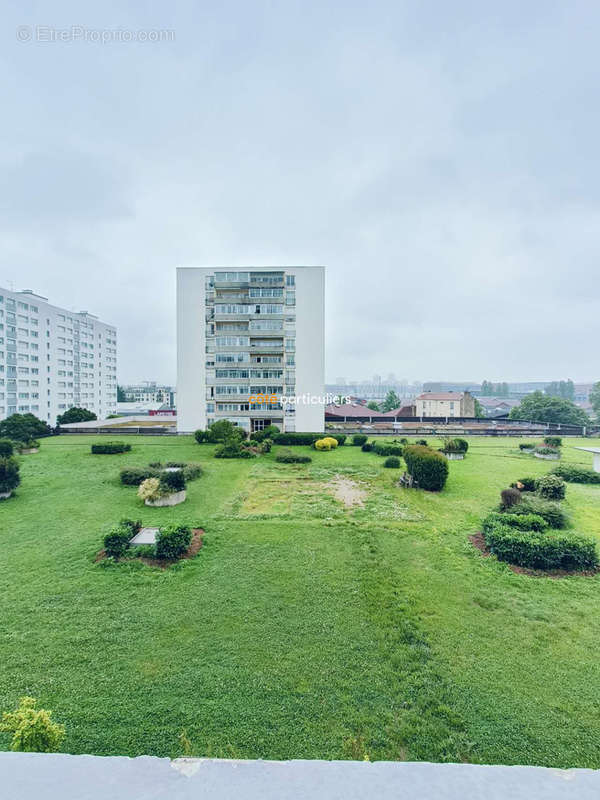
(440, 158)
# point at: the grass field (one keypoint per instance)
(303, 629)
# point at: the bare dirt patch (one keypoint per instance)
(348, 492)
(478, 541)
(163, 563)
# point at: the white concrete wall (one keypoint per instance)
(191, 347)
(310, 345)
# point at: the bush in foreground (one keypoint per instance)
(9, 474)
(575, 474)
(287, 457)
(359, 439)
(32, 729)
(172, 541)
(551, 487)
(542, 550)
(524, 522)
(554, 515)
(428, 468)
(392, 462)
(110, 448)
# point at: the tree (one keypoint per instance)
(76, 414)
(223, 429)
(540, 407)
(121, 395)
(595, 398)
(23, 428)
(373, 405)
(9, 474)
(479, 410)
(391, 401)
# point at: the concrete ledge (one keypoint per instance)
(31, 776)
(172, 499)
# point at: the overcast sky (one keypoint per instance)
(440, 158)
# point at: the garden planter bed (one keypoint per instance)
(528, 450)
(478, 541)
(454, 456)
(5, 495)
(27, 451)
(547, 457)
(163, 563)
(173, 499)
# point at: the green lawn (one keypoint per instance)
(302, 629)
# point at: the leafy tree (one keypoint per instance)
(391, 401)
(23, 428)
(373, 405)
(564, 389)
(540, 407)
(121, 394)
(479, 411)
(223, 429)
(76, 414)
(595, 398)
(33, 730)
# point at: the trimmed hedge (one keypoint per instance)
(287, 457)
(359, 439)
(109, 448)
(367, 447)
(171, 482)
(392, 462)
(116, 541)
(172, 541)
(455, 446)
(551, 512)
(293, 438)
(388, 449)
(524, 522)
(428, 468)
(339, 437)
(133, 476)
(6, 448)
(553, 441)
(542, 550)
(527, 446)
(551, 487)
(326, 443)
(574, 474)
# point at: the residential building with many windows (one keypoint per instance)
(149, 392)
(250, 347)
(52, 359)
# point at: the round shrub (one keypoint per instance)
(172, 541)
(9, 474)
(191, 471)
(359, 439)
(327, 443)
(542, 550)
(422, 442)
(116, 541)
(551, 487)
(367, 447)
(149, 489)
(455, 446)
(6, 448)
(527, 446)
(110, 448)
(171, 482)
(509, 498)
(287, 457)
(32, 729)
(201, 436)
(428, 468)
(392, 462)
(575, 474)
(553, 441)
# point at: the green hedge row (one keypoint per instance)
(542, 549)
(109, 448)
(287, 457)
(574, 474)
(524, 522)
(553, 513)
(383, 449)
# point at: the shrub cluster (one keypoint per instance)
(575, 474)
(116, 541)
(232, 448)
(551, 487)
(428, 468)
(172, 541)
(133, 476)
(293, 438)
(553, 513)
(267, 433)
(527, 446)
(524, 484)
(547, 451)
(6, 448)
(553, 441)
(220, 431)
(383, 449)
(455, 446)
(109, 448)
(9, 474)
(367, 447)
(359, 439)
(171, 482)
(190, 471)
(542, 549)
(524, 522)
(287, 457)
(392, 462)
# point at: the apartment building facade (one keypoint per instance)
(445, 404)
(52, 359)
(250, 347)
(149, 392)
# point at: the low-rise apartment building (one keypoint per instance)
(52, 359)
(250, 341)
(445, 404)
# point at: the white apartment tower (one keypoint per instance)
(52, 359)
(248, 333)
